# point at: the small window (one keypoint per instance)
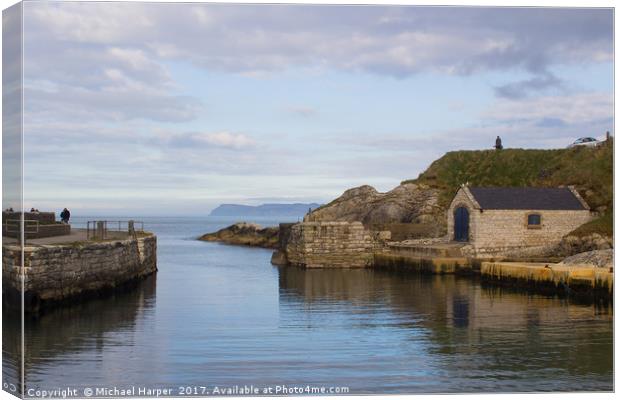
(533, 221)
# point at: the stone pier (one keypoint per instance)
(330, 244)
(58, 273)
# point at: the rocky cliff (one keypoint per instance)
(406, 203)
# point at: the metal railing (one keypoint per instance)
(100, 229)
(13, 225)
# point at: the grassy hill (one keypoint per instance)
(590, 170)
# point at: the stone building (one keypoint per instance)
(501, 220)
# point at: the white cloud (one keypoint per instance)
(100, 77)
(225, 139)
(92, 22)
(110, 60)
(578, 108)
(138, 61)
(387, 40)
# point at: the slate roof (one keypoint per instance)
(517, 198)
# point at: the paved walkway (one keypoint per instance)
(77, 235)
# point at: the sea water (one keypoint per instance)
(221, 317)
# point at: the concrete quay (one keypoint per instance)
(578, 279)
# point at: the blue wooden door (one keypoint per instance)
(461, 224)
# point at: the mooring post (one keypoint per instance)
(100, 231)
(130, 228)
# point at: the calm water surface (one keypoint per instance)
(223, 315)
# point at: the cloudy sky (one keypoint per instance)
(150, 109)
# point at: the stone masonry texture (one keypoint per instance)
(330, 244)
(501, 231)
(57, 272)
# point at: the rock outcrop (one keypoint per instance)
(574, 245)
(598, 258)
(246, 234)
(569, 246)
(408, 202)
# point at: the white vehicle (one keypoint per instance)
(585, 141)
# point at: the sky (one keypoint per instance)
(172, 109)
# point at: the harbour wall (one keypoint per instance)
(349, 245)
(331, 244)
(58, 273)
(586, 281)
(573, 279)
(425, 265)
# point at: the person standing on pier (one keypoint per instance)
(65, 215)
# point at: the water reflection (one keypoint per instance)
(225, 316)
(11, 352)
(57, 334)
(483, 338)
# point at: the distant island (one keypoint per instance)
(264, 210)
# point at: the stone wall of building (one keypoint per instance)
(60, 272)
(332, 244)
(502, 232)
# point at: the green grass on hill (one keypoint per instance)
(603, 225)
(590, 170)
